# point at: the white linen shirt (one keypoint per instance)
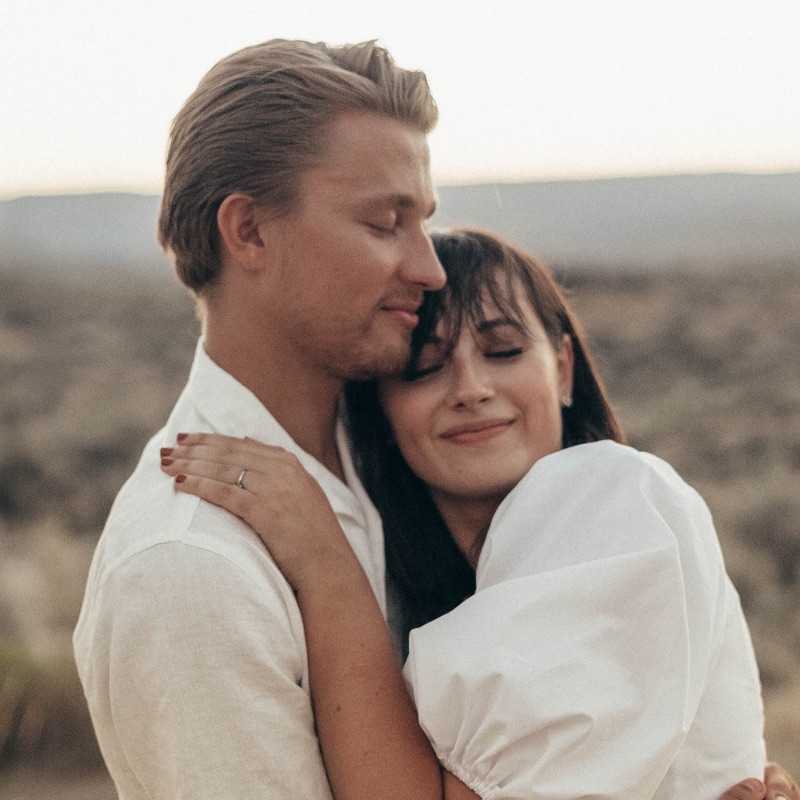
(604, 653)
(190, 644)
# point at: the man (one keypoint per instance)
(296, 195)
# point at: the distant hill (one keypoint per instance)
(624, 223)
(81, 232)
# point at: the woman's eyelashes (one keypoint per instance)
(509, 353)
(417, 373)
(422, 369)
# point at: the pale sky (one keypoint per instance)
(528, 89)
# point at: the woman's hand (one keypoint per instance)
(778, 785)
(271, 491)
(368, 729)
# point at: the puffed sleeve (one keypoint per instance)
(578, 667)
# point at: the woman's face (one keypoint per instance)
(472, 423)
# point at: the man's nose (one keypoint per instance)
(421, 266)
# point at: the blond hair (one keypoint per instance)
(256, 121)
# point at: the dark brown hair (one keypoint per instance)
(423, 563)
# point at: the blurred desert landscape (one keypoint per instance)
(703, 364)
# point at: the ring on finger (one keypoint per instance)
(240, 480)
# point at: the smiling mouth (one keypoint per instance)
(406, 315)
(477, 432)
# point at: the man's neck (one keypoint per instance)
(302, 401)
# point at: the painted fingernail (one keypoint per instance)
(165, 462)
(181, 436)
(166, 451)
(180, 478)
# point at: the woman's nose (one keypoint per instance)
(470, 387)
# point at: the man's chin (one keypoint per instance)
(381, 365)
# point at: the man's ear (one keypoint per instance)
(239, 218)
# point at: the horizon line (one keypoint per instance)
(152, 190)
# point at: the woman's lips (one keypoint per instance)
(475, 432)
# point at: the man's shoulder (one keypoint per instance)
(154, 534)
(149, 515)
(185, 570)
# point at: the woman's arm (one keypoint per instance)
(371, 741)
(368, 729)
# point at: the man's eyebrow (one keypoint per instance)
(399, 201)
(406, 201)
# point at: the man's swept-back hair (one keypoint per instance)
(257, 121)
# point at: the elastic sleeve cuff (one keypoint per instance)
(483, 787)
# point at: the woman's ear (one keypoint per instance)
(239, 221)
(565, 360)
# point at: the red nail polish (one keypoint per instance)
(181, 436)
(180, 478)
(166, 451)
(165, 462)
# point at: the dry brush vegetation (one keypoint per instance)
(704, 368)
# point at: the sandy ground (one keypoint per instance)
(29, 784)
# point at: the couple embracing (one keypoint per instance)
(394, 447)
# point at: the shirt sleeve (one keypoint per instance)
(205, 680)
(577, 668)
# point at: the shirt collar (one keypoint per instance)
(230, 408)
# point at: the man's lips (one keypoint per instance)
(478, 431)
(403, 312)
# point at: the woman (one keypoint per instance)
(604, 652)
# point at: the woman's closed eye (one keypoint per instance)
(506, 353)
(413, 374)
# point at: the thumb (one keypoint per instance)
(751, 789)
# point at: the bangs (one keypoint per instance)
(479, 279)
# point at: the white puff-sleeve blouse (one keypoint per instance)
(604, 653)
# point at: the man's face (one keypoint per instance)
(350, 264)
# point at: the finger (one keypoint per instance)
(227, 450)
(224, 473)
(225, 495)
(224, 442)
(751, 789)
(780, 785)
(212, 454)
(283, 471)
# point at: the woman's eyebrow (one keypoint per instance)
(499, 322)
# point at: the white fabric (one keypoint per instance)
(190, 644)
(604, 653)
